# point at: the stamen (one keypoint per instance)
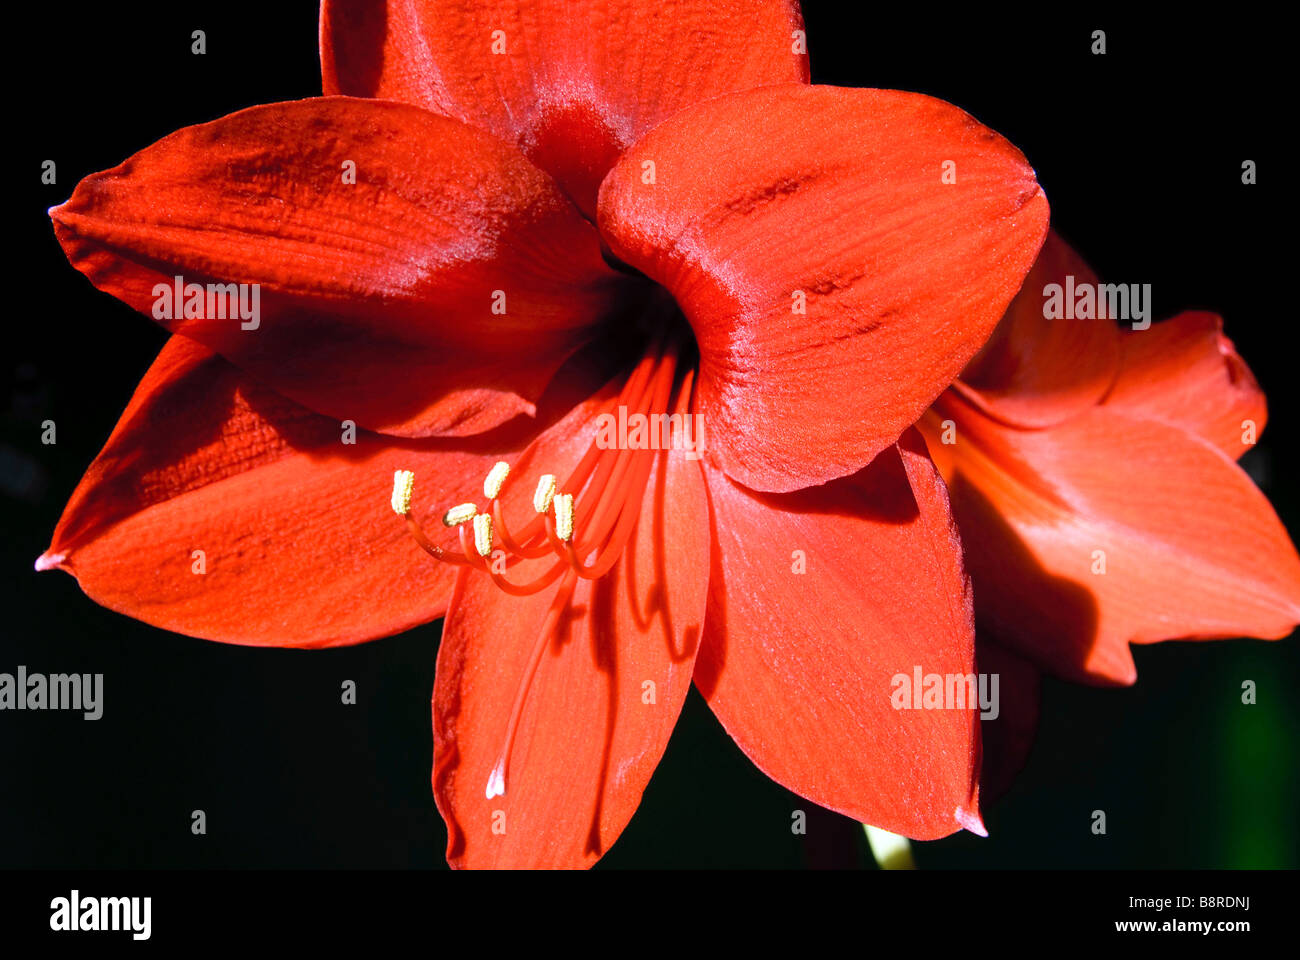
(636, 391)
(512, 544)
(585, 530)
(545, 491)
(629, 514)
(469, 548)
(459, 514)
(483, 534)
(617, 507)
(496, 479)
(536, 585)
(564, 516)
(417, 534)
(403, 484)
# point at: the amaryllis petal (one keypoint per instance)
(572, 83)
(221, 510)
(819, 602)
(1038, 370)
(1110, 529)
(413, 275)
(835, 282)
(599, 710)
(1186, 373)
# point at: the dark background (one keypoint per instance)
(1140, 154)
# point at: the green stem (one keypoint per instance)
(891, 851)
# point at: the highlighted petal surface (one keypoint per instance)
(572, 83)
(299, 544)
(1110, 529)
(604, 700)
(1035, 371)
(434, 295)
(835, 283)
(1184, 372)
(800, 667)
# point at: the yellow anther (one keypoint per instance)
(459, 514)
(496, 478)
(403, 484)
(564, 516)
(483, 534)
(545, 491)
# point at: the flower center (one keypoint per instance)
(582, 524)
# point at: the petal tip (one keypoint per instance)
(49, 561)
(970, 820)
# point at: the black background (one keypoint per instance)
(1140, 154)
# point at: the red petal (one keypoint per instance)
(300, 545)
(1186, 373)
(836, 195)
(801, 667)
(588, 741)
(376, 297)
(1191, 548)
(577, 82)
(1034, 372)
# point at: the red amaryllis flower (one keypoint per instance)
(550, 213)
(1093, 474)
